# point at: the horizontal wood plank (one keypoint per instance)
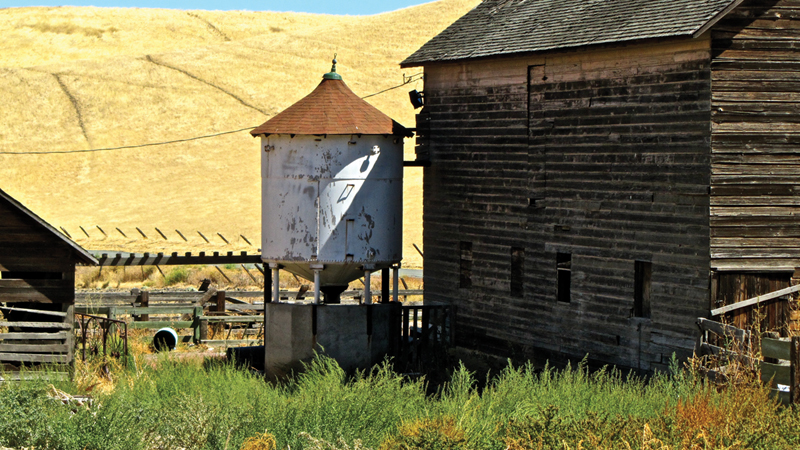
(32, 357)
(777, 372)
(34, 348)
(160, 324)
(53, 325)
(776, 348)
(34, 336)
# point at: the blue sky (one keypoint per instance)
(354, 7)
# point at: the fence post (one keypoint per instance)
(794, 371)
(145, 302)
(221, 301)
(198, 312)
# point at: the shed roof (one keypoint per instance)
(507, 27)
(332, 108)
(80, 253)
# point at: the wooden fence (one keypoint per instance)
(731, 348)
(214, 313)
(426, 331)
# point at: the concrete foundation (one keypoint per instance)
(356, 336)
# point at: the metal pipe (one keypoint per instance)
(396, 281)
(276, 283)
(316, 286)
(367, 292)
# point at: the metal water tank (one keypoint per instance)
(332, 188)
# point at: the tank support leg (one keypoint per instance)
(276, 283)
(317, 269)
(395, 281)
(367, 291)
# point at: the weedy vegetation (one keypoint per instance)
(213, 405)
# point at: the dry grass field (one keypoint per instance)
(76, 78)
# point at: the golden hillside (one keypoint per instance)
(77, 78)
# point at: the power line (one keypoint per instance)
(126, 146)
(410, 79)
(406, 81)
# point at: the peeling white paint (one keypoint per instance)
(335, 200)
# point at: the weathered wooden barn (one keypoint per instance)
(37, 288)
(603, 172)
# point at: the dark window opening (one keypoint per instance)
(465, 261)
(517, 272)
(563, 277)
(642, 274)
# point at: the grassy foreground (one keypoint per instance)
(215, 406)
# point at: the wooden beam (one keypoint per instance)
(28, 357)
(161, 324)
(147, 259)
(55, 325)
(776, 348)
(722, 329)
(34, 348)
(33, 336)
(755, 300)
(779, 373)
(35, 311)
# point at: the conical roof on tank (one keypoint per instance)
(332, 108)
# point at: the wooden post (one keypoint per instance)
(221, 301)
(794, 371)
(145, 303)
(198, 312)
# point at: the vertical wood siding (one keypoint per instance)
(755, 190)
(601, 155)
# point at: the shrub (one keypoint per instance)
(264, 441)
(177, 275)
(428, 434)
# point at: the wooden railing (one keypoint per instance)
(192, 310)
(426, 331)
(778, 360)
(217, 313)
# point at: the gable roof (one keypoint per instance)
(81, 254)
(331, 108)
(506, 27)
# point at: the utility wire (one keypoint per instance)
(126, 146)
(406, 81)
(410, 79)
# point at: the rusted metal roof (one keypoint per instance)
(332, 108)
(508, 27)
(80, 253)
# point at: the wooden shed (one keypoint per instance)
(37, 288)
(602, 173)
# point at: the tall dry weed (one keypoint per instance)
(441, 433)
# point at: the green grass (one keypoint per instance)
(216, 406)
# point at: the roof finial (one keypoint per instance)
(332, 75)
